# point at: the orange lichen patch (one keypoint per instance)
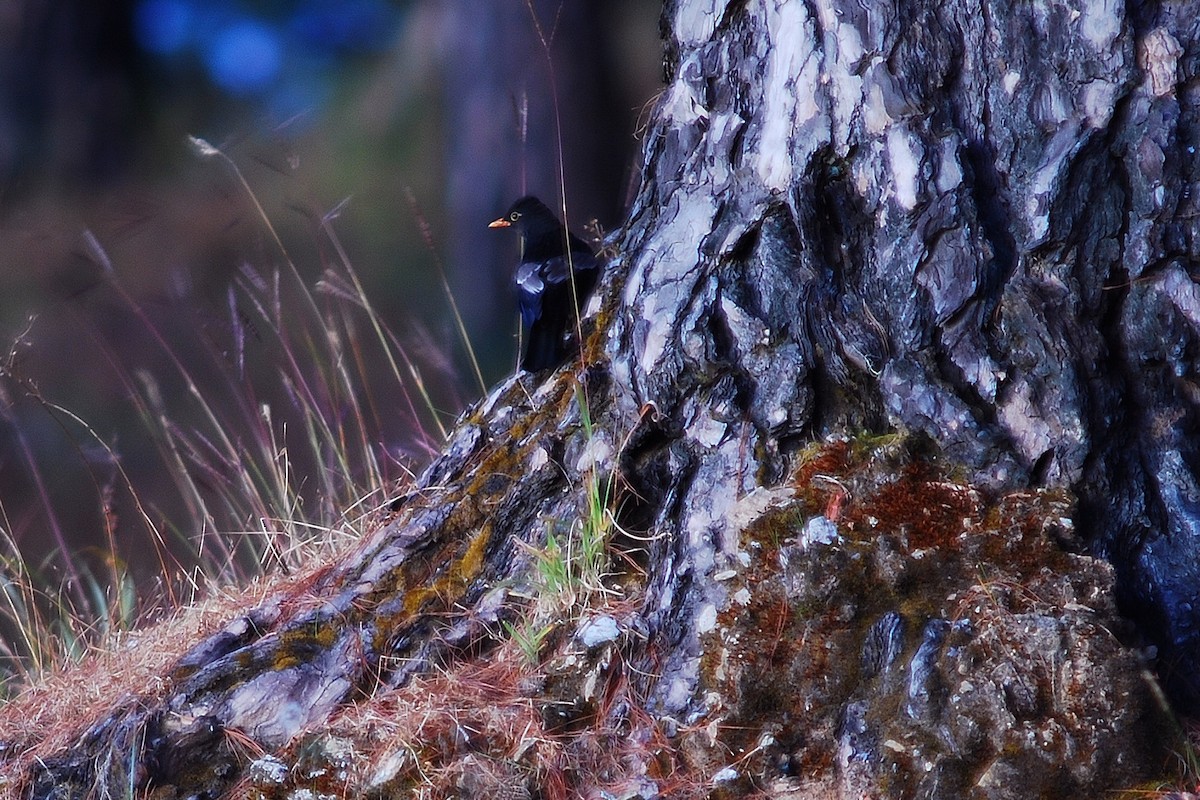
(456, 577)
(929, 511)
(818, 465)
(448, 562)
(454, 554)
(596, 335)
(301, 645)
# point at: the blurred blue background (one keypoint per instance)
(286, 56)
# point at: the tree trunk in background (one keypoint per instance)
(503, 139)
(972, 224)
(68, 106)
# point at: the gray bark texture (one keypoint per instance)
(972, 224)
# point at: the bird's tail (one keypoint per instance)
(544, 349)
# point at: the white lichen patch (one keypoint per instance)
(1055, 162)
(659, 284)
(1099, 100)
(596, 454)
(726, 775)
(538, 459)
(597, 631)
(708, 431)
(755, 504)
(982, 372)
(680, 104)
(905, 162)
(388, 767)
(1026, 423)
(790, 88)
(722, 130)
(1100, 23)
(875, 117)
(949, 175)
(843, 48)
(680, 690)
(1183, 292)
(695, 22)
(654, 337)
(267, 771)
(819, 530)
(748, 331)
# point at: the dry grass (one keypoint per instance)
(486, 727)
(418, 733)
(130, 669)
(297, 422)
(49, 714)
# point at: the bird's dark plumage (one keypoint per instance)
(548, 301)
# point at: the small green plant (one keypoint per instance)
(571, 567)
(573, 564)
(598, 494)
(528, 638)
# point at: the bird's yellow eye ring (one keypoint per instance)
(514, 216)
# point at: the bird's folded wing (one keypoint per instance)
(530, 289)
(558, 269)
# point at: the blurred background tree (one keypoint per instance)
(426, 114)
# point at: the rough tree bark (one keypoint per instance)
(974, 223)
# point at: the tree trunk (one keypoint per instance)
(974, 225)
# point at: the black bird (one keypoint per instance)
(549, 303)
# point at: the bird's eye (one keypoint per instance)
(514, 216)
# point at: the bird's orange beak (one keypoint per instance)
(500, 223)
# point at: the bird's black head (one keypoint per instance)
(530, 217)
